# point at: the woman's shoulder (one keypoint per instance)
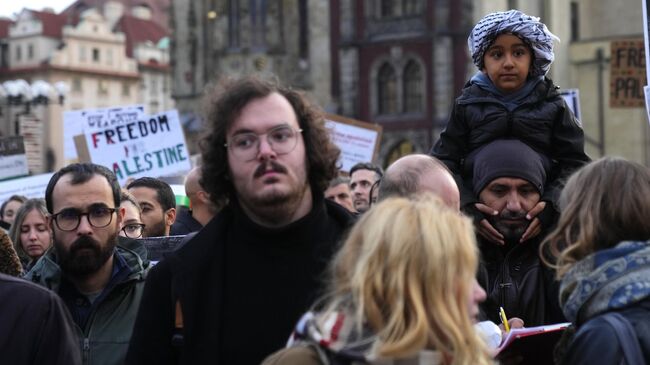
(294, 355)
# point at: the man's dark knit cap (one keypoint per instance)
(509, 158)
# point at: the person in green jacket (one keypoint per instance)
(100, 282)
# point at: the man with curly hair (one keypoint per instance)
(233, 293)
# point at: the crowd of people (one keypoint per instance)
(287, 260)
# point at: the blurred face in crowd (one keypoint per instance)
(132, 223)
(157, 221)
(341, 195)
(267, 160)
(360, 184)
(35, 237)
(85, 224)
(507, 62)
(476, 296)
(10, 211)
(512, 198)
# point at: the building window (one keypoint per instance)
(126, 89)
(95, 54)
(19, 53)
(30, 51)
(388, 8)
(575, 21)
(412, 7)
(82, 53)
(109, 56)
(102, 87)
(387, 90)
(413, 90)
(233, 23)
(153, 87)
(76, 85)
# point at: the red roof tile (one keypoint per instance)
(4, 27)
(138, 31)
(52, 23)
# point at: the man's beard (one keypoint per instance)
(157, 230)
(275, 205)
(511, 232)
(85, 256)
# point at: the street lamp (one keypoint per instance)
(20, 92)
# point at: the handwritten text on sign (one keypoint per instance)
(356, 144)
(78, 122)
(151, 147)
(627, 77)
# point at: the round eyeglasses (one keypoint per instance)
(69, 219)
(246, 146)
(133, 230)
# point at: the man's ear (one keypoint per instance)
(170, 216)
(121, 211)
(203, 196)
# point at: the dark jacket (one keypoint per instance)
(595, 342)
(232, 250)
(36, 328)
(543, 121)
(184, 223)
(518, 281)
(106, 335)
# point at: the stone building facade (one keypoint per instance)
(399, 64)
(214, 39)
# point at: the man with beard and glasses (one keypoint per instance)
(100, 283)
(158, 204)
(233, 293)
(509, 179)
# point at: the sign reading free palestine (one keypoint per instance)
(152, 146)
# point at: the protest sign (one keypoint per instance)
(91, 120)
(358, 141)
(572, 99)
(13, 160)
(153, 146)
(31, 186)
(627, 73)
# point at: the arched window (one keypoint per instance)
(413, 90)
(387, 90)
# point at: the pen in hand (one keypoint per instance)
(504, 319)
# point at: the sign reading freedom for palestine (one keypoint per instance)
(153, 146)
(78, 122)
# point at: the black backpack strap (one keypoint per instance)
(626, 337)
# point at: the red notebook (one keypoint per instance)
(534, 344)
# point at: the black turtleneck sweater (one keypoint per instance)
(271, 277)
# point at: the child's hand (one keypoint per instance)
(484, 227)
(535, 227)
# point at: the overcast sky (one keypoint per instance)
(9, 7)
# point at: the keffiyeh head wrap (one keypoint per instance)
(533, 32)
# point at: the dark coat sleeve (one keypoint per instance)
(568, 149)
(151, 342)
(56, 341)
(451, 148)
(594, 343)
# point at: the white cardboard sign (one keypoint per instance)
(152, 146)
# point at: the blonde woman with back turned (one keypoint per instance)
(402, 288)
